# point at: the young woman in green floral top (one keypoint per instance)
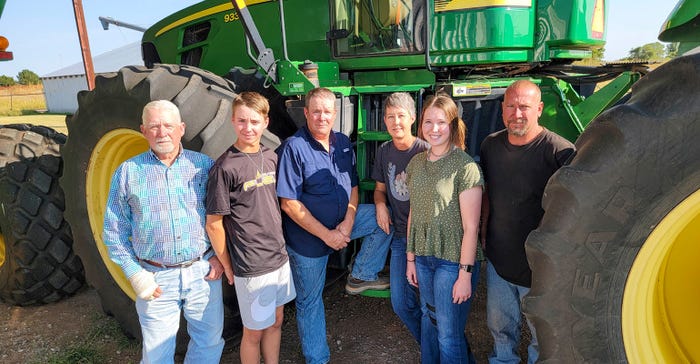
(445, 185)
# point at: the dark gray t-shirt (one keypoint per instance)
(515, 180)
(390, 169)
(245, 194)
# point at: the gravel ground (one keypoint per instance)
(360, 330)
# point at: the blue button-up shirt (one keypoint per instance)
(321, 180)
(156, 212)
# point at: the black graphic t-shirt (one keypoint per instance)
(242, 188)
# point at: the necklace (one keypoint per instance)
(261, 170)
(438, 156)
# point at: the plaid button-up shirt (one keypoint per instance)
(155, 212)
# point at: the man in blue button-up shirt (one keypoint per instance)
(317, 186)
(154, 230)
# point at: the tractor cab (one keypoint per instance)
(376, 27)
(464, 37)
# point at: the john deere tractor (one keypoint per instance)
(615, 256)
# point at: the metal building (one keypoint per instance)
(61, 86)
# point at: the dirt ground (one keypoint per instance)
(360, 330)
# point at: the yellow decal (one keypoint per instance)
(598, 22)
(232, 16)
(450, 5)
(268, 178)
(227, 7)
(241, 4)
(471, 89)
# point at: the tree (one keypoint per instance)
(671, 50)
(6, 81)
(648, 52)
(27, 77)
(597, 53)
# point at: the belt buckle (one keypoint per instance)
(187, 263)
(184, 264)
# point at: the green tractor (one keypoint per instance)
(613, 257)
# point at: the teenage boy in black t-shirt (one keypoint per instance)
(245, 228)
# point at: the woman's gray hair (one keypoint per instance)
(401, 100)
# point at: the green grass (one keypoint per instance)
(79, 354)
(95, 347)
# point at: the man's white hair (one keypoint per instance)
(164, 105)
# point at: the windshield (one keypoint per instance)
(363, 27)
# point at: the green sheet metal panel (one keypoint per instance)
(569, 28)
(223, 46)
(482, 31)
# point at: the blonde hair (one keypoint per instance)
(253, 101)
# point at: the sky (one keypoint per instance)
(43, 35)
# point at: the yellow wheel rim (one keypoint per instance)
(112, 149)
(2, 249)
(661, 298)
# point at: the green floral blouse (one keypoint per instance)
(436, 224)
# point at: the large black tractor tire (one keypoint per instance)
(37, 263)
(419, 29)
(104, 132)
(616, 259)
(281, 124)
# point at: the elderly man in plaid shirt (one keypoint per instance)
(154, 230)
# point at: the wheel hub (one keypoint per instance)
(659, 307)
(113, 148)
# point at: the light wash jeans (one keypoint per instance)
(443, 324)
(503, 300)
(309, 274)
(371, 258)
(202, 303)
(404, 297)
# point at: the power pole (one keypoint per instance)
(84, 43)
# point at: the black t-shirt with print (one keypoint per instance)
(242, 188)
(390, 169)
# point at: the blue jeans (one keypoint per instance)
(404, 297)
(503, 315)
(443, 324)
(202, 303)
(371, 258)
(309, 274)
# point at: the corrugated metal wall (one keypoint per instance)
(62, 92)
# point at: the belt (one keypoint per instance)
(184, 264)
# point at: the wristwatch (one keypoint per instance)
(466, 267)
